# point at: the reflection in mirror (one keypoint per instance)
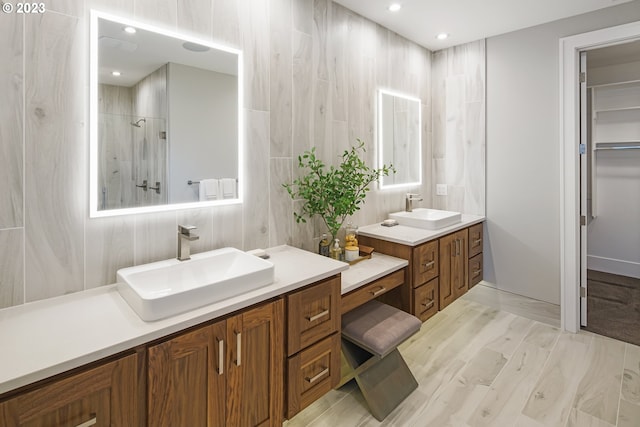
(399, 138)
(165, 123)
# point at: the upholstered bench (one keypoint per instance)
(371, 334)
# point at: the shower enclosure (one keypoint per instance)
(133, 161)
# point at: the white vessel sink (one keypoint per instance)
(429, 219)
(165, 288)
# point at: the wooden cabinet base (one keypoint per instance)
(312, 373)
(229, 372)
(475, 270)
(426, 300)
(103, 396)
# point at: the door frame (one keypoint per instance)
(569, 65)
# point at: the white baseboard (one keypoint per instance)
(613, 266)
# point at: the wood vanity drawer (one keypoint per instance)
(372, 290)
(425, 263)
(425, 301)
(312, 373)
(313, 313)
(475, 240)
(475, 270)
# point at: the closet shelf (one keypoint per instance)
(628, 82)
(608, 110)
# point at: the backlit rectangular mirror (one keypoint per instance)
(165, 119)
(399, 138)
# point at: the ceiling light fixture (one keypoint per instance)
(195, 47)
(395, 7)
(115, 73)
(130, 30)
(442, 36)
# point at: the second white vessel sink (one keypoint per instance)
(429, 219)
(165, 288)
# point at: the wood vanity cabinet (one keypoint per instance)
(440, 270)
(453, 267)
(225, 373)
(476, 237)
(102, 396)
(419, 295)
(426, 267)
(313, 343)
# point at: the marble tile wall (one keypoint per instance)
(458, 84)
(312, 70)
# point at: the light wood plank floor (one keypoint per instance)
(495, 359)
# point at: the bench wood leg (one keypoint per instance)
(384, 382)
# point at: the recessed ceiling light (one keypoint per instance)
(395, 7)
(195, 47)
(442, 36)
(115, 73)
(129, 30)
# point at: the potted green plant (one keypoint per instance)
(333, 193)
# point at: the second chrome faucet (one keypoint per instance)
(410, 198)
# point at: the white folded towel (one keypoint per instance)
(209, 189)
(229, 188)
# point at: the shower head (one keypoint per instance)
(137, 124)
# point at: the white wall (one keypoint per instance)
(203, 134)
(522, 243)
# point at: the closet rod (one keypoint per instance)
(622, 147)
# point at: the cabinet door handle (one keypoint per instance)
(317, 376)
(378, 291)
(220, 356)
(428, 305)
(458, 245)
(238, 348)
(429, 265)
(90, 422)
(318, 316)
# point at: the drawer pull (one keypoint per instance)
(428, 305)
(90, 422)
(378, 291)
(220, 356)
(238, 348)
(429, 265)
(318, 316)
(475, 273)
(477, 242)
(312, 380)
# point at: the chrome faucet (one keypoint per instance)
(411, 197)
(184, 237)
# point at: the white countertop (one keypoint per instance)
(48, 337)
(367, 271)
(411, 236)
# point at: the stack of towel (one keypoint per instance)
(229, 188)
(209, 189)
(218, 189)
